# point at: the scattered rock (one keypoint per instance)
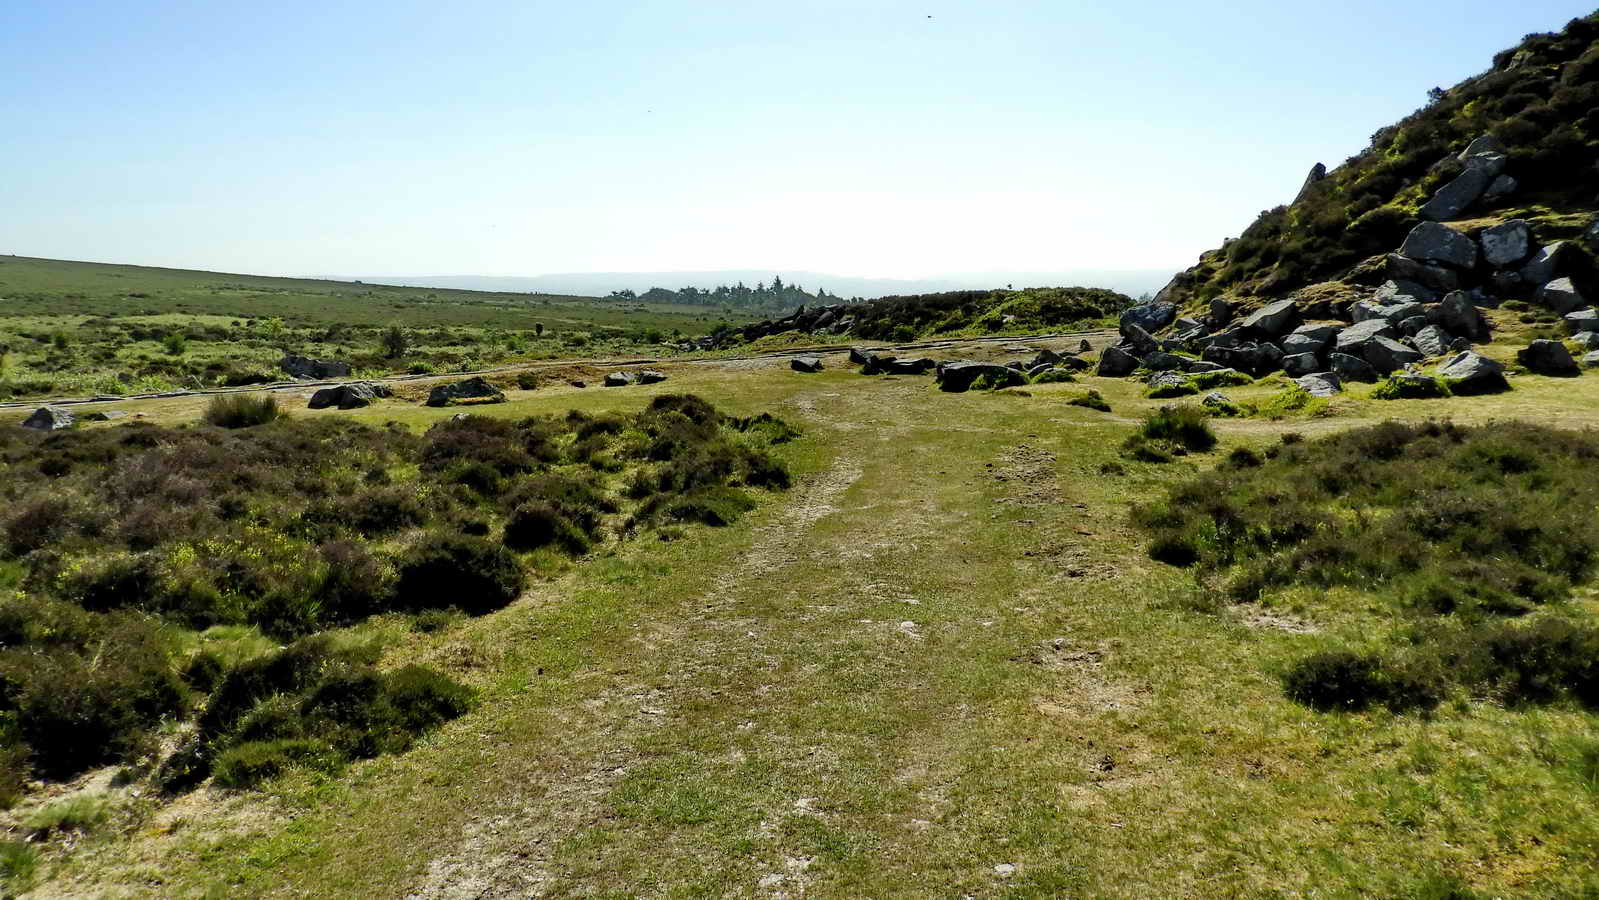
(1321, 384)
(1437, 278)
(354, 395)
(1485, 145)
(105, 415)
(1458, 315)
(650, 376)
(1273, 319)
(1472, 373)
(1431, 242)
(1561, 296)
(616, 379)
(1590, 360)
(48, 418)
(1386, 354)
(1139, 341)
(1549, 263)
(1301, 364)
(1588, 340)
(1507, 244)
(806, 364)
(1216, 400)
(1300, 343)
(1547, 358)
(956, 377)
(1392, 291)
(1457, 196)
(1351, 368)
(1352, 340)
(1585, 319)
(1084, 346)
(1322, 331)
(1412, 326)
(1164, 362)
(1151, 317)
(471, 389)
(1045, 357)
(1432, 341)
(858, 356)
(1502, 187)
(1115, 362)
(1221, 312)
(318, 369)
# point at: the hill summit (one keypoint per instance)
(1517, 143)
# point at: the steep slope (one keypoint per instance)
(1539, 101)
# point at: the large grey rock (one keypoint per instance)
(1431, 242)
(1439, 278)
(613, 379)
(1151, 317)
(889, 365)
(1502, 187)
(1386, 354)
(1351, 368)
(354, 395)
(1587, 340)
(1399, 312)
(1138, 340)
(1295, 344)
(1301, 364)
(1547, 358)
(1562, 296)
(1457, 196)
(1432, 341)
(1321, 384)
(1404, 291)
(1365, 311)
(319, 369)
(1506, 244)
(470, 389)
(1458, 315)
(1590, 360)
(1171, 381)
(1221, 312)
(650, 376)
(1218, 400)
(858, 357)
(1320, 331)
(1549, 262)
(1200, 366)
(1317, 173)
(806, 364)
(1353, 339)
(48, 418)
(1160, 361)
(1473, 373)
(1273, 318)
(957, 377)
(1045, 357)
(1115, 362)
(1486, 144)
(1585, 319)
(1412, 326)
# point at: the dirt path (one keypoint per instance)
(508, 855)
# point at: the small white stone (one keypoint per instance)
(1004, 870)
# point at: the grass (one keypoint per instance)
(689, 716)
(78, 329)
(81, 812)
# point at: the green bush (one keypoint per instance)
(241, 410)
(19, 862)
(1090, 400)
(1171, 431)
(472, 573)
(249, 764)
(1166, 390)
(1397, 388)
(1054, 376)
(81, 812)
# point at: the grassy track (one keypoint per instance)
(944, 653)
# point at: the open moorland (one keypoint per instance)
(85, 329)
(995, 642)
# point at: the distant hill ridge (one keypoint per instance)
(1538, 108)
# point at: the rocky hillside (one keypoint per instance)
(906, 318)
(1516, 142)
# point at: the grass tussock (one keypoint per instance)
(242, 410)
(1169, 432)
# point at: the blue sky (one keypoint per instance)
(889, 139)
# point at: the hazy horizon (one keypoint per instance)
(887, 140)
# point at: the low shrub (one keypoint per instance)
(249, 764)
(475, 574)
(1171, 431)
(1168, 389)
(19, 863)
(242, 410)
(1054, 376)
(1090, 400)
(1397, 388)
(1209, 381)
(711, 506)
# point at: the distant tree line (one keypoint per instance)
(775, 296)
